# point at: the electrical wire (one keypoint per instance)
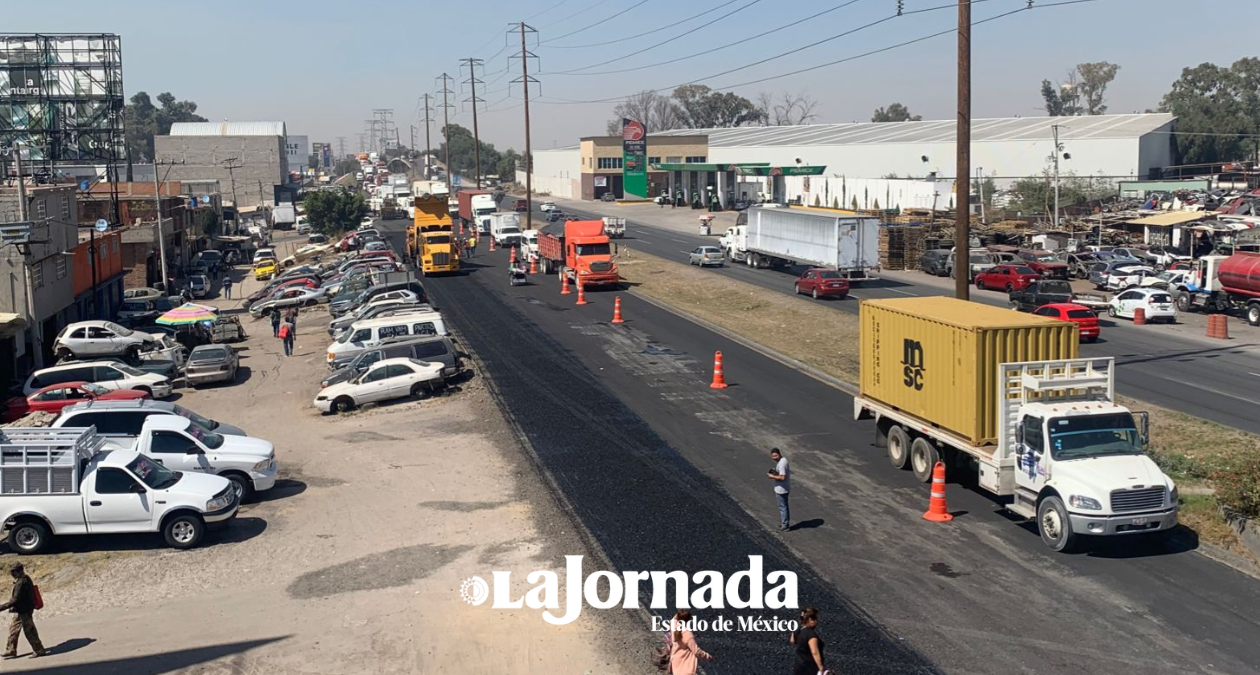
(728, 45)
(839, 61)
(577, 13)
(648, 32)
(597, 23)
(546, 10)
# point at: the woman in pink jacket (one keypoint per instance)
(684, 655)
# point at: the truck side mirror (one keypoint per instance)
(1143, 420)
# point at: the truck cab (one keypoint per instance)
(506, 229)
(430, 239)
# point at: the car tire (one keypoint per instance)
(923, 458)
(1014, 305)
(244, 486)
(814, 294)
(898, 447)
(796, 288)
(183, 531)
(1092, 339)
(29, 537)
(1010, 288)
(1111, 311)
(1253, 314)
(343, 404)
(980, 284)
(144, 389)
(1054, 526)
(418, 390)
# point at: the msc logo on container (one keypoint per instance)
(912, 364)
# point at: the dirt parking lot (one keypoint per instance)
(353, 563)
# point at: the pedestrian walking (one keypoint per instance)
(23, 604)
(287, 337)
(227, 288)
(291, 316)
(684, 653)
(472, 246)
(782, 486)
(275, 323)
(809, 646)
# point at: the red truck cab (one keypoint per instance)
(578, 249)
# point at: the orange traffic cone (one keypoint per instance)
(492, 243)
(719, 378)
(937, 511)
(617, 310)
(1223, 327)
(581, 293)
(564, 284)
(512, 258)
(1139, 316)
(533, 264)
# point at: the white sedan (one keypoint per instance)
(1157, 302)
(387, 379)
(1126, 277)
(547, 206)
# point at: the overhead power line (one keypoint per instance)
(673, 24)
(872, 52)
(605, 20)
(578, 13)
(546, 10)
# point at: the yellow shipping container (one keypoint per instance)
(937, 358)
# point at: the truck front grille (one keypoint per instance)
(441, 258)
(601, 266)
(1146, 499)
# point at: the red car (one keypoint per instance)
(1082, 316)
(519, 206)
(57, 396)
(1045, 263)
(821, 282)
(1006, 278)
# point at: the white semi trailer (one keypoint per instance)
(773, 236)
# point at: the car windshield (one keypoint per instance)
(208, 438)
(593, 249)
(94, 389)
(132, 371)
(981, 259)
(1165, 276)
(1099, 267)
(1024, 270)
(208, 355)
(193, 417)
(118, 330)
(1093, 436)
(153, 474)
(829, 274)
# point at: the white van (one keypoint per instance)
(264, 253)
(371, 332)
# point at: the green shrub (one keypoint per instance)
(1237, 486)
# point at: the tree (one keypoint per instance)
(463, 155)
(1222, 102)
(332, 212)
(700, 107)
(1093, 87)
(345, 166)
(790, 110)
(208, 222)
(144, 121)
(656, 112)
(507, 164)
(895, 113)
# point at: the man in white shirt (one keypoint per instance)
(782, 486)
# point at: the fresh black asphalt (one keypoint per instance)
(665, 474)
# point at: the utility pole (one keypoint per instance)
(529, 164)
(962, 176)
(1054, 128)
(161, 236)
(472, 82)
(231, 164)
(980, 189)
(446, 128)
(37, 341)
(428, 147)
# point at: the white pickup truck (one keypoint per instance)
(66, 481)
(180, 444)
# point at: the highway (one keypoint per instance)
(1219, 382)
(664, 473)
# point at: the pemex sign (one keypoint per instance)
(634, 158)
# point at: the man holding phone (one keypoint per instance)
(782, 486)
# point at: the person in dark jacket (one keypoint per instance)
(22, 604)
(275, 323)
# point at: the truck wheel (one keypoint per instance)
(1054, 525)
(1253, 314)
(898, 447)
(184, 531)
(29, 537)
(242, 484)
(923, 456)
(1182, 300)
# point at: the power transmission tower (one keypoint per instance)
(472, 83)
(962, 176)
(446, 125)
(525, 81)
(341, 148)
(362, 142)
(428, 120)
(384, 118)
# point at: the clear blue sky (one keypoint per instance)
(322, 66)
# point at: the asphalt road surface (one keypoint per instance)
(1220, 383)
(665, 473)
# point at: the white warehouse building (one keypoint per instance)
(837, 164)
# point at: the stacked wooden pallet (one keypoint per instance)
(900, 247)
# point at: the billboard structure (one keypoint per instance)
(634, 159)
(298, 152)
(61, 96)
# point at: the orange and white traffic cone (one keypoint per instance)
(581, 293)
(617, 310)
(564, 284)
(937, 511)
(719, 377)
(492, 244)
(533, 264)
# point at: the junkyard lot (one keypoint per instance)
(353, 563)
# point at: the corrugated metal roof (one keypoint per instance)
(982, 130)
(228, 129)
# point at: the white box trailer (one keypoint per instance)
(777, 236)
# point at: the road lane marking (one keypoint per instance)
(681, 241)
(895, 290)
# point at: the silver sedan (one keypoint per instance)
(299, 296)
(705, 255)
(211, 363)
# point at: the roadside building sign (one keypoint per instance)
(634, 158)
(102, 225)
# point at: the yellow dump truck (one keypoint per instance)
(431, 237)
